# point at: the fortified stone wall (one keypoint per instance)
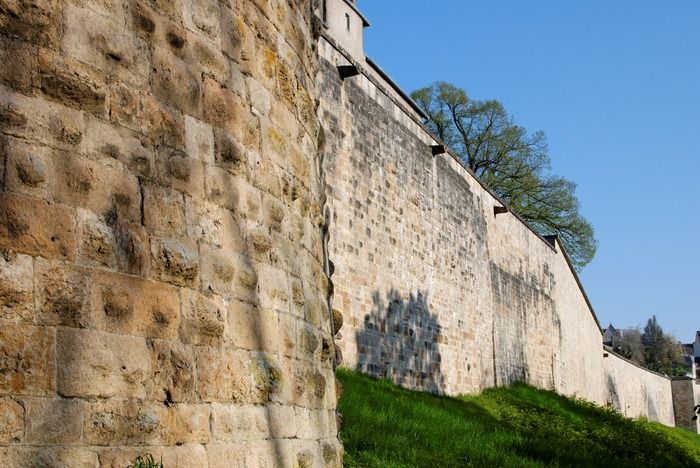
(437, 291)
(635, 391)
(162, 281)
(686, 396)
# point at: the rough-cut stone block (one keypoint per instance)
(37, 119)
(259, 96)
(222, 188)
(19, 64)
(104, 187)
(222, 107)
(62, 294)
(16, 287)
(252, 328)
(207, 57)
(184, 456)
(184, 174)
(33, 226)
(128, 305)
(54, 422)
(164, 212)
(132, 422)
(237, 376)
(126, 422)
(174, 379)
(54, 457)
(174, 261)
(97, 364)
(202, 17)
(104, 44)
(134, 249)
(221, 455)
(213, 225)
(36, 21)
(12, 420)
(282, 421)
(226, 275)
(233, 423)
(29, 168)
(27, 360)
(199, 139)
(175, 82)
(143, 113)
(71, 83)
(104, 140)
(203, 318)
(97, 245)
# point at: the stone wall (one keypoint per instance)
(437, 291)
(686, 396)
(635, 391)
(162, 281)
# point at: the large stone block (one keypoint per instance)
(27, 360)
(199, 139)
(104, 187)
(128, 305)
(175, 261)
(97, 364)
(54, 457)
(19, 70)
(251, 328)
(36, 227)
(36, 119)
(202, 17)
(97, 244)
(227, 275)
(132, 422)
(184, 456)
(36, 21)
(235, 423)
(71, 83)
(104, 140)
(203, 318)
(54, 421)
(12, 420)
(62, 294)
(242, 377)
(222, 107)
(174, 379)
(175, 81)
(163, 212)
(16, 287)
(106, 45)
(213, 225)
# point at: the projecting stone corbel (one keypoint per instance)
(437, 149)
(347, 71)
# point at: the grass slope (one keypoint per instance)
(516, 426)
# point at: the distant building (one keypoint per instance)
(691, 356)
(612, 337)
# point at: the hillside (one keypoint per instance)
(516, 426)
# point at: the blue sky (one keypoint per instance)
(615, 85)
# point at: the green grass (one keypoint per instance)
(517, 426)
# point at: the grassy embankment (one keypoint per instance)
(517, 426)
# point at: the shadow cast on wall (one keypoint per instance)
(399, 341)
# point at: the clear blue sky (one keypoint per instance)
(615, 85)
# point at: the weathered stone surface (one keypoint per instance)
(98, 364)
(136, 207)
(175, 262)
(234, 423)
(135, 306)
(203, 319)
(54, 422)
(54, 457)
(12, 420)
(16, 287)
(35, 227)
(27, 360)
(62, 294)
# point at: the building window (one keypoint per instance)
(324, 11)
(347, 21)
